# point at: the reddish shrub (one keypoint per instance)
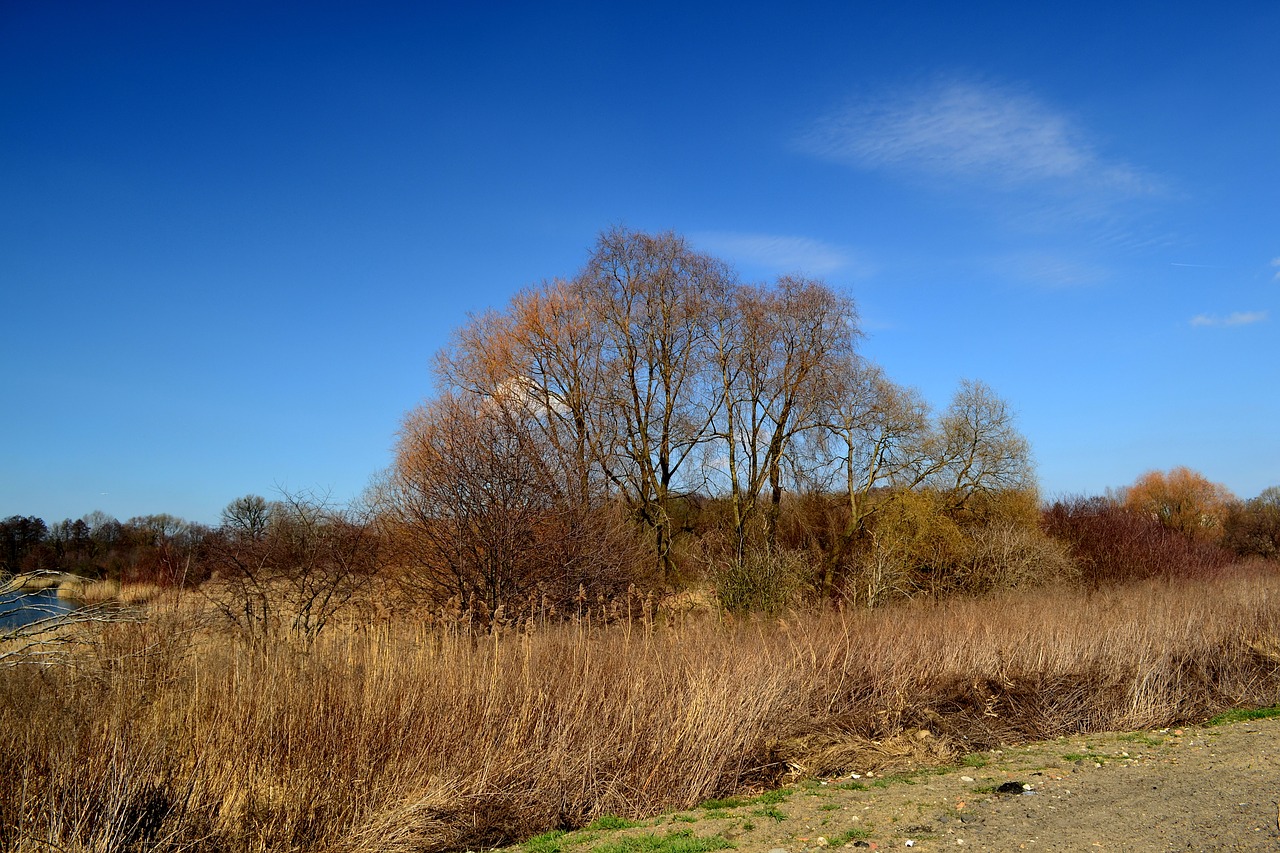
(1112, 544)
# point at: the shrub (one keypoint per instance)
(763, 581)
(1252, 528)
(1111, 544)
(1008, 556)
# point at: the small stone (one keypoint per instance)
(966, 778)
(820, 841)
(1010, 788)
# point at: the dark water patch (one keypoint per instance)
(21, 608)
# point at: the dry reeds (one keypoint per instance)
(403, 737)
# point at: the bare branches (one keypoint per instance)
(309, 562)
(37, 628)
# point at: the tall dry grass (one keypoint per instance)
(395, 737)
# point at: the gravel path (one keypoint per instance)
(1182, 789)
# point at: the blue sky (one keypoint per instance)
(232, 235)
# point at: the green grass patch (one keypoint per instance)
(609, 821)
(547, 842)
(1142, 738)
(829, 807)
(974, 759)
(772, 797)
(716, 814)
(851, 786)
(682, 841)
(1242, 715)
(771, 811)
(684, 818)
(858, 833)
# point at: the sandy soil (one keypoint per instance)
(1180, 789)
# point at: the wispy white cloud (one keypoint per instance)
(1239, 318)
(1047, 270)
(780, 253)
(965, 130)
(1275, 262)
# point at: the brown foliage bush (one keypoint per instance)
(1112, 544)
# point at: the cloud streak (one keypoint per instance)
(781, 253)
(1239, 318)
(971, 131)
(1047, 270)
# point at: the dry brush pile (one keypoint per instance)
(403, 737)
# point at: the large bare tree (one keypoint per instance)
(777, 354)
(651, 297)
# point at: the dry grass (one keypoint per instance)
(31, 581)
(395, 737)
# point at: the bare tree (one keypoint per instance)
(247, 517)
(539, 363)
(651, 298)
(313, 560)
(981, 452)
(479, 517)
(654, 375)
(876, 436)
(775, 353)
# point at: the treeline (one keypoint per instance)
(161, 549)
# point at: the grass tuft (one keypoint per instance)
(1240, 715)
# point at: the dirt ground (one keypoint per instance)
(1206, 789)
